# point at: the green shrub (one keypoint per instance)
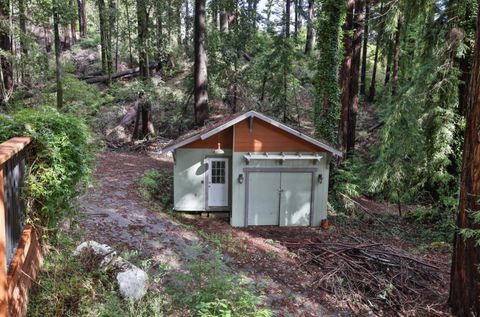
(210, 289)
(90, 42)
(157, 185)
(437, 226)
(69, 287)
(63, 154)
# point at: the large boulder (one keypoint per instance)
(132, 281)
(105, 252)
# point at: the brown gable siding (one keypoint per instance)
(268, 138)
(225, 138)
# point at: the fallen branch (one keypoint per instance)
(132, 72)
(377, 274)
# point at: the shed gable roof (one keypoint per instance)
(208, 131)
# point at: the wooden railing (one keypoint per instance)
(20, 250)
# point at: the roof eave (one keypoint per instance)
(244, 116)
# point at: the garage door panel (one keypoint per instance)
(263, 199)
(296, 199)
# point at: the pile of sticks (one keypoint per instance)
(370, 275)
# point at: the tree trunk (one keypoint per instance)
(142, 38)
(355, 77)
(110, 32)
(23, 27)
(310, 27)
(296, 16)
(67, 39)
(73, 24)
(23, 43)
(129, 30)
(82, 17)
(371, 93)
(103, 37)
(187, 25)
(396, 57)
(224, 18)
(58, 61)
(5, 64)
(363, 80)
(346, 76)
(200, 66)
(159, 35)
(286, 17)
(465, 278)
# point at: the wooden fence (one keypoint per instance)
(20, 249)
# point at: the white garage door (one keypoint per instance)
(279, 198)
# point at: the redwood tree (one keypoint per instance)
(310, 27)
(200, 65)
(465, 278)
(5, 46)
(353, 34)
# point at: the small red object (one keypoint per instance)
(324, 224)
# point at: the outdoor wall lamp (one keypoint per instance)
(240, 178)
(320, 178)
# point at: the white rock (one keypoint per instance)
(133, 283)
(99, 249)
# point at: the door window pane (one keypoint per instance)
(218, 172)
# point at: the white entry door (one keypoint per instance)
(218, 182)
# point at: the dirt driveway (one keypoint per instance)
(114, 213)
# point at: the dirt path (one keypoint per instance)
(114, 213)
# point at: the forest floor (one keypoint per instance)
(115, 213)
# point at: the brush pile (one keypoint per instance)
(369, 275)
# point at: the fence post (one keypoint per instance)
(3, 252)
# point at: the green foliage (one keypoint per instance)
(327, 94)
(419, 154)
(63, 153)
(158, 185)
(438, 226)
(468, 233)
(71, 287)
(212, 289)
(90, 42)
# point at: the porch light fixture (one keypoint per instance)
(240, 178)
(320, 178)
(218, 150)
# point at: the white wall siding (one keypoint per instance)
(238, 190)
(189, 178)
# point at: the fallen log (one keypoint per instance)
(132, 72)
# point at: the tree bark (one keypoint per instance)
(103, 37)
(129, 31)
(6, 45)
(286, 17)
(58, 62)
(363, 80)
(73, 24)
(142, 38)
(22, 21)
(371, 93)
(310, 27)
(465, 278)
(82, 17)
(200, 66)
(396, 57)
(187, 25)
(355, 77)
(346, 76)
